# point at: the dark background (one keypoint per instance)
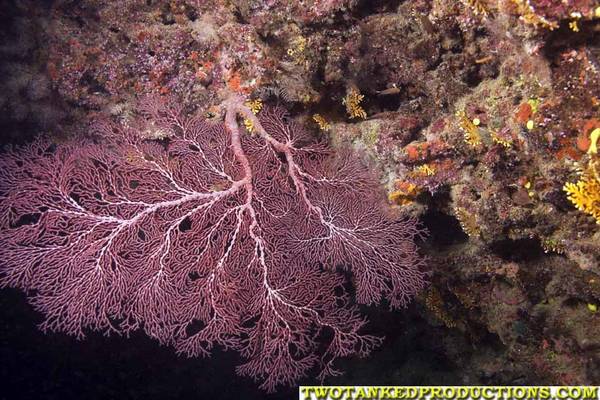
(35, 365)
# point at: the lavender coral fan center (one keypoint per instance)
(218, 237)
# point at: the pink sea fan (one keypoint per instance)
(213, 236)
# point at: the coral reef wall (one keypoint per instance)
(480, 117)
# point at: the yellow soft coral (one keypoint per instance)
(425, 170)
(478, 6)
(321, 121)
(594, 138)
(585, 193)
(352, 102)
(404, 194)
(254, 105)
(470, 130)
(530, 16)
